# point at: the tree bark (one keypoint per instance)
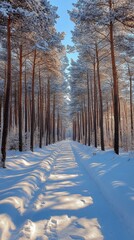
(88, 111)
(54, 118)
(58, 120)
(95, 102)
(131, 102)
(40, 111)
(20, 103)
(7, 94)
(101, 103)
(115, 84)
(26, 107)
(33, 105)
(48, 114)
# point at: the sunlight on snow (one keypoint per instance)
(117, 184)
(32, 194)
(97, 165)
(16, 202)
(63, 176)
(6, 225)
(62, 227)
(63, 200)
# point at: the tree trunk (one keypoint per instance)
(95, 102)
(26, 107)
(101, 103)
(48, 114)
(78, 126)
(88, 111)
(7, 95)
(85, 117)
(131, 104)
(0, 114)
(20, 103)
(58, 120)
(33, 107)
(115, 84)
(54, 118)
(40, 111)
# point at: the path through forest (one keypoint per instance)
(64, 202)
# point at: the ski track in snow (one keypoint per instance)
(49, 195)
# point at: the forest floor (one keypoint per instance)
(67, 191)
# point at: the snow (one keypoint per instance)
(67, 191)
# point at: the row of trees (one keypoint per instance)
(31, 75)
(101, 79)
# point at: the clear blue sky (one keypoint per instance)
(64, 24)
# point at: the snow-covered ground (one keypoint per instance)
(67, 191)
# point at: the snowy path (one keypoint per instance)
(65, 203)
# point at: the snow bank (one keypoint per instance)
(20, 184)
(114, 175)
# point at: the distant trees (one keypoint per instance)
(98, 27)
(31, 72)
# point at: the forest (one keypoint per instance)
(44, 98)
(66, 120)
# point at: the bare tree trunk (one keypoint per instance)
(101, 103)
(85, 117)
(7, 95)
(48, 114)
(88, 111)
(11, 112)
(15, 106)
(120, 129)
(26, 99)
(54, 118)
(74, 130)
(58, 120)
(116, 93)
(33, 106)
(78, 126)
(20, 103)
(95, 97)
(0, 115)
(40, 111)
(131, 105)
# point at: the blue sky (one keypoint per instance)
(64, 24)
